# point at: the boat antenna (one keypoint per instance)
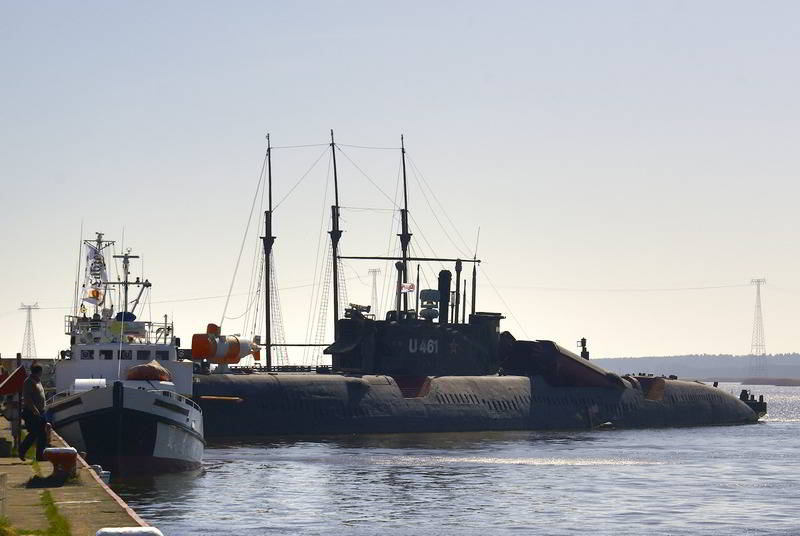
(457, 297)
(126, 263)
(269, 240)
(405, 236)
(336, 234)
(76, 297)
(475, 270)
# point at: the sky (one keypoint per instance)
(619, 158)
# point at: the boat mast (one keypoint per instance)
(336, 234)
(405, 236)
(126, 257)
(269, 240)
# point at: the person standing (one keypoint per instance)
(33, 413)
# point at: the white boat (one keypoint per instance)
(122, 394)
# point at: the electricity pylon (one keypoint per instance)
(758, 347)
(374, 303)
(28, 341)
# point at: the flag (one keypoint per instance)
(407, 287)
(96, 276)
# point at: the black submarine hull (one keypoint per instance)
(274, 404)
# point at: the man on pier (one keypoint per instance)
(33, 413)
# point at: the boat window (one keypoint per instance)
(87, 354)
(162, 355)
(106, 354)
(142, 355)
(126, 354)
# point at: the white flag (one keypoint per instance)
(96, 276)
(407, 287)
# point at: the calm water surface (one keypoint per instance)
(713, 480)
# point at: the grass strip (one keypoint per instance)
(58, 524)
(5, 528)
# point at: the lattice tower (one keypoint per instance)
(758, 347)
(278, 335)
(374, 302)
(28, 341)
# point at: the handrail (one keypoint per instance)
(60, 394)
(180, 397)
(163, 392)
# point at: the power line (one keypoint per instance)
(661, 289)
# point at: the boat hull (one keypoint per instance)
(301, 404)
(129, 431)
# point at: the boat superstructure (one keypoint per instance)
(122, 394)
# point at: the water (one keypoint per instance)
(712, 480)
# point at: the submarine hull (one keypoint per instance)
(240, 405)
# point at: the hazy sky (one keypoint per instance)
(597, 145)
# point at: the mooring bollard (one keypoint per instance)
(64, 460)
(130, 531)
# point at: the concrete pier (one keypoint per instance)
(83, 504)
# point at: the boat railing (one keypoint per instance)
(108, 328)
(180, 398)
(59, 396)
(251, 369)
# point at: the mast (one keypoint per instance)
(405, 236)
(474, 285)
(417, 289)
(457, 301)
(126, 257)
(268, 240)
(99, 246)
(464, 304)
(336, 234)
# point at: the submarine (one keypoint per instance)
(417, 373)
(431, 368)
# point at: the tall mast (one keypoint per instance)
(126, 257)
(269, 240)
(336, 234)
(405, 236)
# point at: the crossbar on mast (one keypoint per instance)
(420, 259)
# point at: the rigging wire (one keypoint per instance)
(423, 269)
(252, 300)
(394, 220)
(314, 295)
(256, 316)
(393, 202)
(78, 273)
(369, 147)
(505, 304)
(419, 175)
(256, 277)
(369, 209)
(302, 177)
(436, 217)
(301, 146)
(244, 237)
